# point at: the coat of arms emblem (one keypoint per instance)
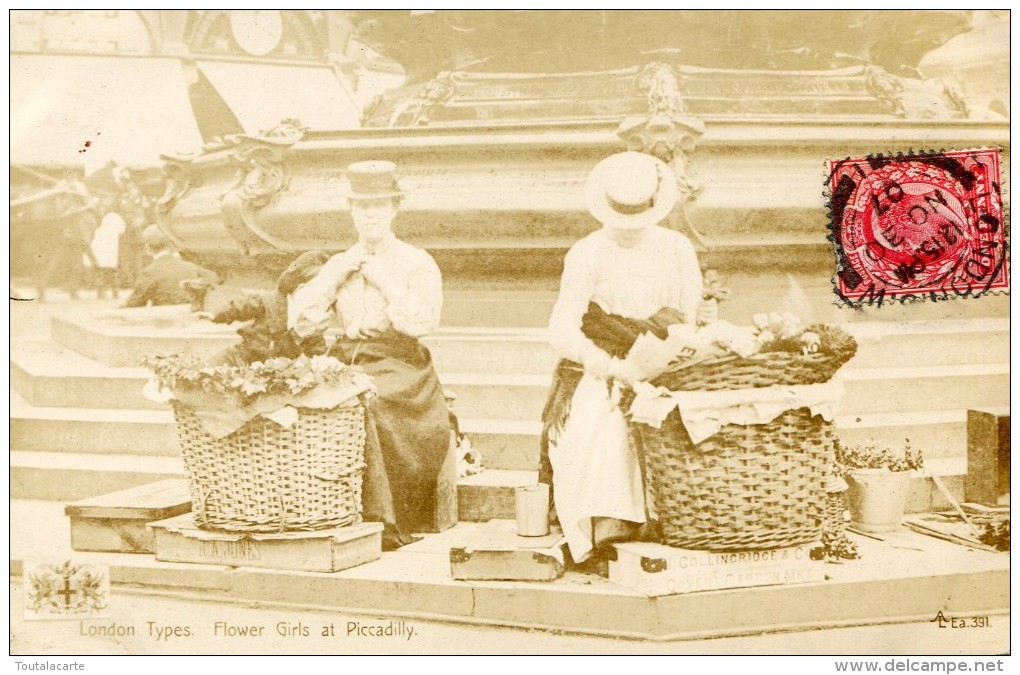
(66, 590)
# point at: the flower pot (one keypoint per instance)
(877, 498)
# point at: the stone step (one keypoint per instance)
(92, 430)
(124, 337)
(512, 444)
(52, 374)
(868, 391)
(49, 374)
(938, 434)
(71, 476)
(504, 410)
(68, 476)
(503, 443)
(925, 388)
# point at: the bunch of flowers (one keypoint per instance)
(996, 535)
(849, 458)
(275, 376)
(712, 287)
(836, 546)
(777, 332)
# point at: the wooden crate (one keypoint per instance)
(494, 552)
(117, 522)
(654, 569)
(988, 455)
(331, 550)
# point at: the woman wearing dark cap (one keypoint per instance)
(381, 295)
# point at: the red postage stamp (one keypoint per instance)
(917, 226)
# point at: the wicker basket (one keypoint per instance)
(745, 487)
(267, 478)
(764, 369)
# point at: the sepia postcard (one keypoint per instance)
(511, 332)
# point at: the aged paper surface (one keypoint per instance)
(232, 132)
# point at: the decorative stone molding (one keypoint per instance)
(915, 98)
(261, 176)
(179, 175)
(415, 112)
(666, 131)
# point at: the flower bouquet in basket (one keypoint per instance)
(735, 425)
(269, 446)
(777, 350)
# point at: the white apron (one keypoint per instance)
(595, 468)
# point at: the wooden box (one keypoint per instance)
(654, 569)
(988, 455)
(331, 550)
(494, 552)
(117, 522)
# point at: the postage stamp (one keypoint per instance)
(919, 225)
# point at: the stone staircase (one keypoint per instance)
(80, 425)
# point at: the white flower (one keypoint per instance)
(766, 336)
(743, 346)
(324, 363)
(789, 326)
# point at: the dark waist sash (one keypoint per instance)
(390, 345)
(613, 334)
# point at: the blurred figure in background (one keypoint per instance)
(106, 251)
(161, 281)
(71, 251)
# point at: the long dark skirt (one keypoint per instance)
(408, 431)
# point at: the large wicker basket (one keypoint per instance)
(765, 369)
(268, 478)
(745, 487)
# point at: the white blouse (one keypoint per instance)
(359, 306)
(661, 271)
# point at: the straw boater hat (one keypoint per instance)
(372, 180)
(630, 190)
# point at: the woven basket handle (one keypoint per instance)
(202, 509)
(336, 477)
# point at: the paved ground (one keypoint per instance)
(150, 615)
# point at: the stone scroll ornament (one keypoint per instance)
(669, 133)
(928, 225)
(261, 176)
(179, 178)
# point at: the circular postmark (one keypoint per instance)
(917, 225)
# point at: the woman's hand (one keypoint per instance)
(336, 270)
(708, 312)
(376, 274)
(626, 372)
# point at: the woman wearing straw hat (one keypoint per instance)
(630, 270)
(381, 295)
